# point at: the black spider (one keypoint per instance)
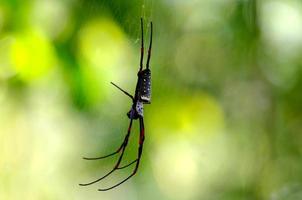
(142, 96)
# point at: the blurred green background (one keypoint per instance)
(226, 115)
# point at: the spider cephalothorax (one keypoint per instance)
(142, 96)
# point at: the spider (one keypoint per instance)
(142, 96)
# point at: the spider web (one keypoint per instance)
(125, 13)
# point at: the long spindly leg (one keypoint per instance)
(126, 93)
(116, 167)
(137, 161)
(125, 166)
(118, 150)
(102, 157)
(142, 46)
(150, 47)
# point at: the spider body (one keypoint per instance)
(136, 111)
(142, 96)
(144, 86)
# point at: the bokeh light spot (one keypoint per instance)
(282, 25)
(32, 55)
(103, 46)
(176, 169)
(198, 115)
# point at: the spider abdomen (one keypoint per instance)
(144, 92)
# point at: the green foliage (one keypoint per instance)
(226, 115)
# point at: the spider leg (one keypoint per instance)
(137, 161)
(126, 93)
(142, 46)
(131, 163)
(111, 154)
(133, 173)
(150, 47)
(119, 160)
(115, 152)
